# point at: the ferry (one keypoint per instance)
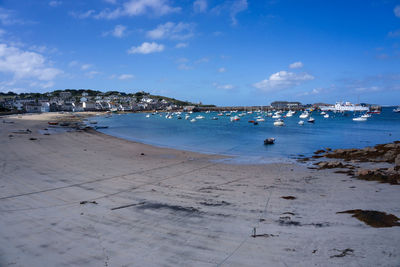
(342, 107)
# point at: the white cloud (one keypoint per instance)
(91, 74)
(312, 92)
(25, 65)
(296, 65)
(73, 63)
(83, 15)
(132, 8)
(368, 89)
(119, 31)
(179, 45)
(184, 66)
(158, 7)
(146, 48)
(221, 70)
(171, 30)
(55, 3)
(7, 17)
(237, 7)
(233, 7)
(200, 6)
(86, 66)
(126, 76)
(224, 86)
(396, 11)
(283, 80)
(202, 60)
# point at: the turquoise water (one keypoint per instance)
(245, 140)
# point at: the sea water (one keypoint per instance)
(245, 141)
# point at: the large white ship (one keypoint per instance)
(344, 106)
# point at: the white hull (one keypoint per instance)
(342, 107)
(359, 119)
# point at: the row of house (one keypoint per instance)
(64, 101)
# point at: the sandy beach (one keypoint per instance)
(82, 198)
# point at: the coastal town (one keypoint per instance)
(86, 100)
(72, 100)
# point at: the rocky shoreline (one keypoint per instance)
(378, 163)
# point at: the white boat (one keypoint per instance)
(301, 122)
(344, 106)
(366, 115)
(260, 119)
(304, 115)
(326, 116)
(148, 116)
(235, 118)
(279, 122)
(187, 117)
(359, 119)
(397, 110)
(276, 116)
(214, 118)
(311, 120)
(193, 120)
(323, 113)
(199, 117)
(289, 113)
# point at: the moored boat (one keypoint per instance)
(269, 141)
(279, 122)
(359, 119)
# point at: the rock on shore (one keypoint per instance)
(382, 153)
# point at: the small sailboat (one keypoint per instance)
(311, 120)
(199, 117)
(148, 116)
(326, 116)
(260, 119)
(193, 120)
(366, 115)
(304, 115)
(301, 122)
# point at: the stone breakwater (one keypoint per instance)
(378, 163)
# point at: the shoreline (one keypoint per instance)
(87, 198)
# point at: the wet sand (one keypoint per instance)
(82, 198)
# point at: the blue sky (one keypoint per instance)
(233, 52)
